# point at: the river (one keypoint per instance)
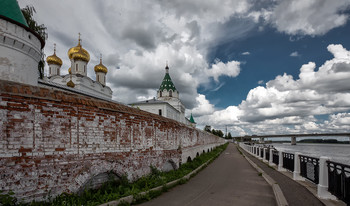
(337, 152)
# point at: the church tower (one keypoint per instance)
(54, 63)
(168, 93)
(20, 46)
(167, 89)
(79, 58)
(101, 72)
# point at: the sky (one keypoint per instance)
(251, 66)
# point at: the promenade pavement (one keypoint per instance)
(229, 180)
(295, 194)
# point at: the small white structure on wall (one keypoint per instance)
(20, 47)
(168, 103)
(77, 77)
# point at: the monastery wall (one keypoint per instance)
(53, 141)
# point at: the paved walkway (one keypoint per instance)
(229, 180)
(294, 193)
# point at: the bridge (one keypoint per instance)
(293, 136)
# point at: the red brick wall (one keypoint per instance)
(54, 141)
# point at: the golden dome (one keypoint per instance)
(76, 49)
(70, 70)
(71, 84)
(80, 55)
(100, 67)
(53, 59)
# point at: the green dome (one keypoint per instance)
(10, 9)
(167, 84)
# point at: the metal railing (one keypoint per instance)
(275, 156)
(309, 168)
(288, 161)
(339, 180)
(332, 178)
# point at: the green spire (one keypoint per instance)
(167, 83)
(192, 120)
(10, 9)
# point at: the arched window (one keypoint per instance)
(76, 67)
(58, 71)
(98, 78)
(170, 93)
(50, 69)
(84, 68)
(160, 93)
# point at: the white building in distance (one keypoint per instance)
(77, 77)
(168, 103)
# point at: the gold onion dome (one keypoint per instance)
(80, 55)
(77, 49)
(100, 67)
(53, 59)
(71, 84)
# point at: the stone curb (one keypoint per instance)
(279, 196)
(130, 198)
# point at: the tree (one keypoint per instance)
(28, 12)
(229, 136)
(207, 128)
(219, 133)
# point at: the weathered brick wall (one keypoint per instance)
(53, 141)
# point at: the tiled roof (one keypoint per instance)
(10, 9)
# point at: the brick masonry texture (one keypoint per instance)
(54, 141)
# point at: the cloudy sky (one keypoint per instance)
(255, 66)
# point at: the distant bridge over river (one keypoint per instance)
(293, 136)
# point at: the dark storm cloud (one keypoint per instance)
(142, 37)
(194, 28)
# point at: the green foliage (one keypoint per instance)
(229, 136)
(207, 128)
(218, 133)
(28, 13)
(7, 199)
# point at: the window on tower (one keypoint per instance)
(160, 93)
(170, 93)
(160, 112)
